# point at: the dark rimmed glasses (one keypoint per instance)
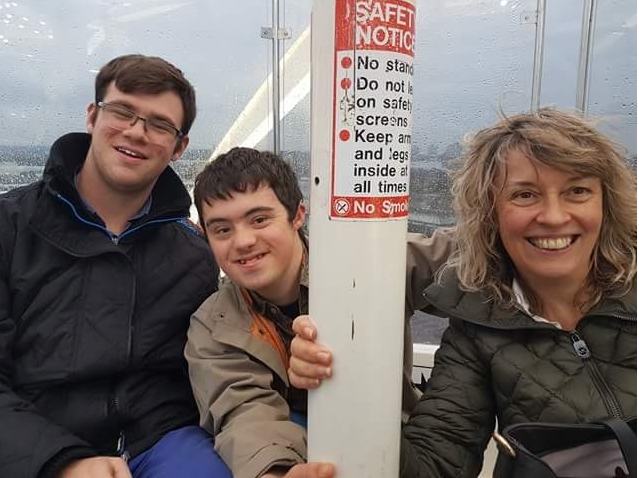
(121, 117)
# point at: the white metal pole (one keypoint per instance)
(361, 120)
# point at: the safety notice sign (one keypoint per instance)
(372, 109)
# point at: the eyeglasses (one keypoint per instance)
(120, 117)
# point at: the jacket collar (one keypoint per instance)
(60, 216)
(477, 308)
(67, 156)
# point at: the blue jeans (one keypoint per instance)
(299, 418)
(184, 452)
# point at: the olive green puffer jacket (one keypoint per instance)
(496, 362)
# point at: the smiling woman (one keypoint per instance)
(540, 296)
(546, 209)
(549, 222)
(548, 201)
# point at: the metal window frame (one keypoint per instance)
(277, 34)
(585, 54)
(540, 37)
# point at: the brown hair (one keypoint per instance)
(561, 140)
(148, 75)
(247, 169)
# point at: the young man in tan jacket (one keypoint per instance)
(250, 206)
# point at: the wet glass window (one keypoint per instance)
(51, 52)
(473, 60)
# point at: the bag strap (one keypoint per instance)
(627, 442)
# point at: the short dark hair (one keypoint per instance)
(247, 169)
(148, 75)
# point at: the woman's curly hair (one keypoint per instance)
(564, 141)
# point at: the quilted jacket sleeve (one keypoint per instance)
(240, 407)
(450, 427)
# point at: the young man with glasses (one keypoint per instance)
(99, 274)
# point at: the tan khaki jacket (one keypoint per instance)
(238, 369)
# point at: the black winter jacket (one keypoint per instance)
(92, 328)
(499, 363)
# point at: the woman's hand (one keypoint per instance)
(310, 362)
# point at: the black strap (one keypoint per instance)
(504, 465)
(627, 442)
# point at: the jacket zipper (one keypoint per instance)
(115, 240)
(114, 410)
(581, 349)
(121, 450)
(112, 236)
(129, 348)
(583, 352)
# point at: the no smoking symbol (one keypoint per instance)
(342, 206)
